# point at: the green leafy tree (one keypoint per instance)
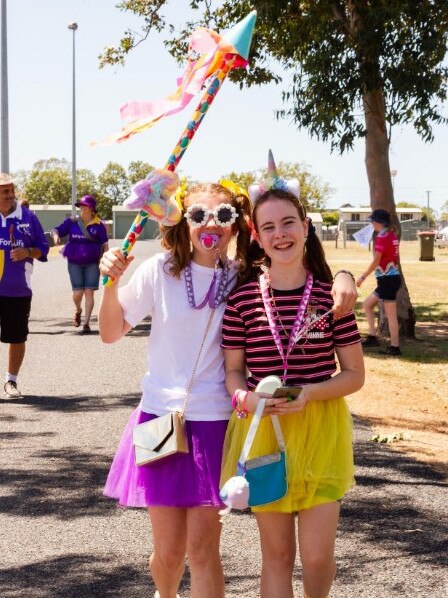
(138, 170)
(20, 178)
(444, 211)
(429, 216)
(54, 186)
(50, 187)
(86, 182)
(50, 182)
(314, 193)
(330, 218)
(407, 204)
(114, 184)
(352, 68)
(52, 164)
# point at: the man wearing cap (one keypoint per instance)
(388, 278)
(22, 240)
(87, 239)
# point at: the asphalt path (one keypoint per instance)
(60, 538)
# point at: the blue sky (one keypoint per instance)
(235, 134)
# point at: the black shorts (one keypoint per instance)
(14, 316)
(388, 287)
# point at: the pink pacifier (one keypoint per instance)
(209, 241)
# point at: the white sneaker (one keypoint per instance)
(157, 594)
(11, 390)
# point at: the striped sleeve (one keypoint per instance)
(345, 331)
(233, 328)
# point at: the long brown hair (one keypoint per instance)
(176, 239)
(313, 255)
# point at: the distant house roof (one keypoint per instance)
(369, 210)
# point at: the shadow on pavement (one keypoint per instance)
(56, 326)
(394, 511)
(78, 403)
(72, 488)
(76, 576)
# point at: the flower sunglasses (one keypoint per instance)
(224, 215)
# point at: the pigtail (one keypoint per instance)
(176, 239)
(314, 258)
(244, 230)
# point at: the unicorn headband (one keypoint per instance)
(273, 181)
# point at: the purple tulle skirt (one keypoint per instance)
(181, 480)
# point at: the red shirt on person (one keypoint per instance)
(387, 244)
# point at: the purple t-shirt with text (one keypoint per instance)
(79, 249)
(21, 228)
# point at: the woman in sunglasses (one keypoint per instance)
(179, 289)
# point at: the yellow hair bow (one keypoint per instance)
(233, 187)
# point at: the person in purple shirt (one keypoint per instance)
(87, 239)
(22, 240)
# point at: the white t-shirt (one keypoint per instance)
(176, 334)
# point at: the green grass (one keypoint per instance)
(427, 281)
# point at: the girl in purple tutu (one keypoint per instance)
(178, 289)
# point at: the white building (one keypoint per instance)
(361, 214)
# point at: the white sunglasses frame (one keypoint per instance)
(208, 213)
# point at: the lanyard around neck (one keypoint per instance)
(267, 301)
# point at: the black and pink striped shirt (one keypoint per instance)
(312, 359)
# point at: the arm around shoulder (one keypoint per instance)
(344, 293)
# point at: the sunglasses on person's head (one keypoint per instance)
(224, 215)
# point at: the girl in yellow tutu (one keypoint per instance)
(280, 323)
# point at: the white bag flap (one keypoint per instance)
(152, 435)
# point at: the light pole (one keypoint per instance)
(73, 27)
(393, 174)
(427, 207)
(4, 98)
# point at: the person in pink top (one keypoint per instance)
(385, 265)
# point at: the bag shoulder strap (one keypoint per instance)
(191, 381)
(84, 230)
(253, 430)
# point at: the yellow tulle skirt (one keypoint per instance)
(319, 453)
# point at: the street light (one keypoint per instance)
(4, 93)
(73, 27)
(393, 174)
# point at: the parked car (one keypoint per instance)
(442, 238)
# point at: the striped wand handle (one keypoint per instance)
(179, 150)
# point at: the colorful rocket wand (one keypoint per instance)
(224, 54)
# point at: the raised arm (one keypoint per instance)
(111, 322)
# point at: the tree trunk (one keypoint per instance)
(381, 194)
(377, 144)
